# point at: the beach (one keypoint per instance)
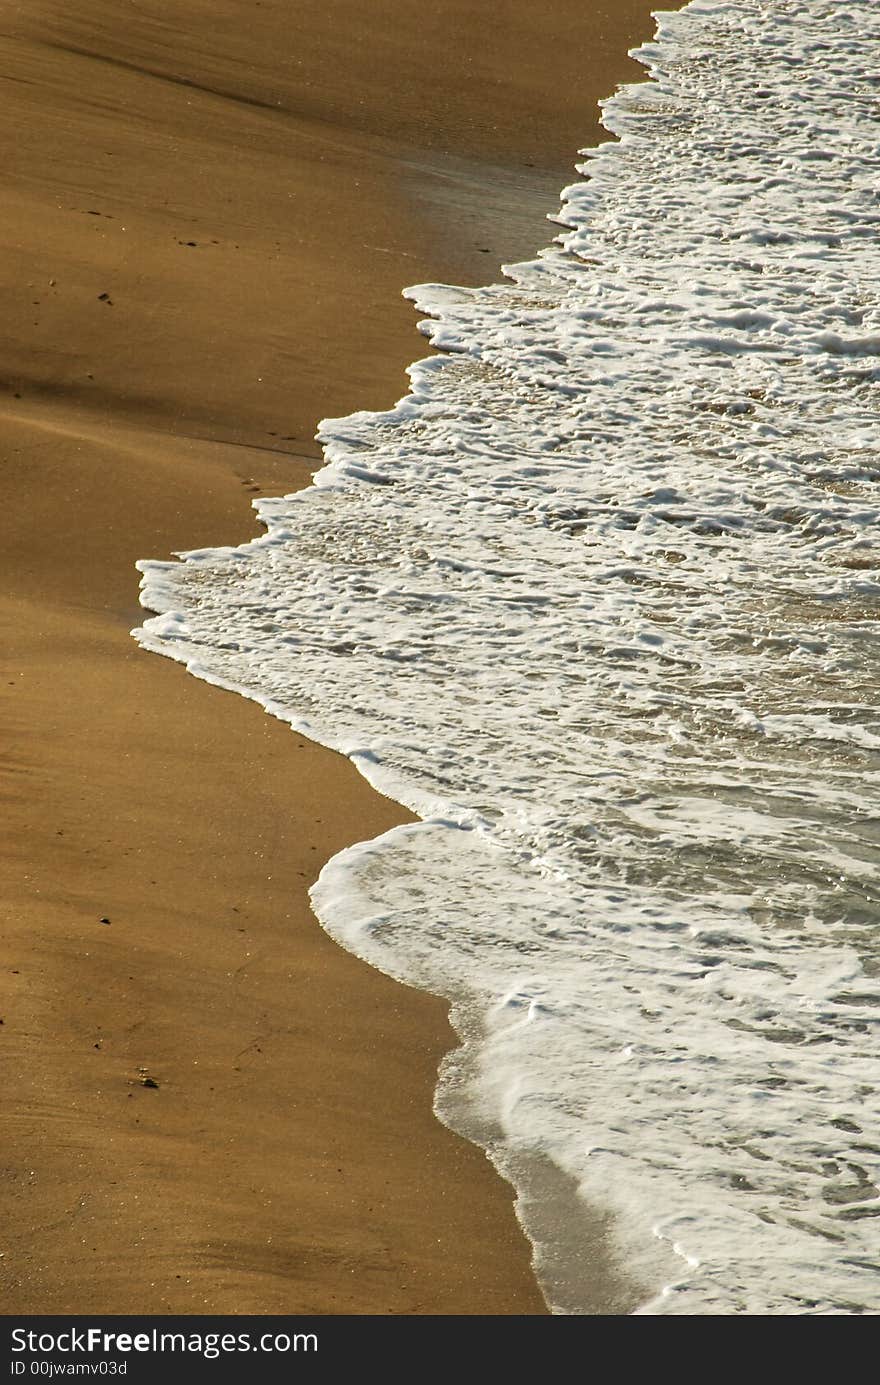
(208, 220)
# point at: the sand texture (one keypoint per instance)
(209, 209)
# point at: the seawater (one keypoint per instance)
(598, 601)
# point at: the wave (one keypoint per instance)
(596, 600)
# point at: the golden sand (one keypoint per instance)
(208, 214)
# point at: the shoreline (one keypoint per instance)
(287, 1158)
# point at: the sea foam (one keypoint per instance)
(597, 601)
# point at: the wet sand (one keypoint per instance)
(207, 219)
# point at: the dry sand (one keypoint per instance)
(209, 208)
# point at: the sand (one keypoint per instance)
(209, 210)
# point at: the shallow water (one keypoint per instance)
(597, 601)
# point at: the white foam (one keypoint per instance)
(596, 600)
